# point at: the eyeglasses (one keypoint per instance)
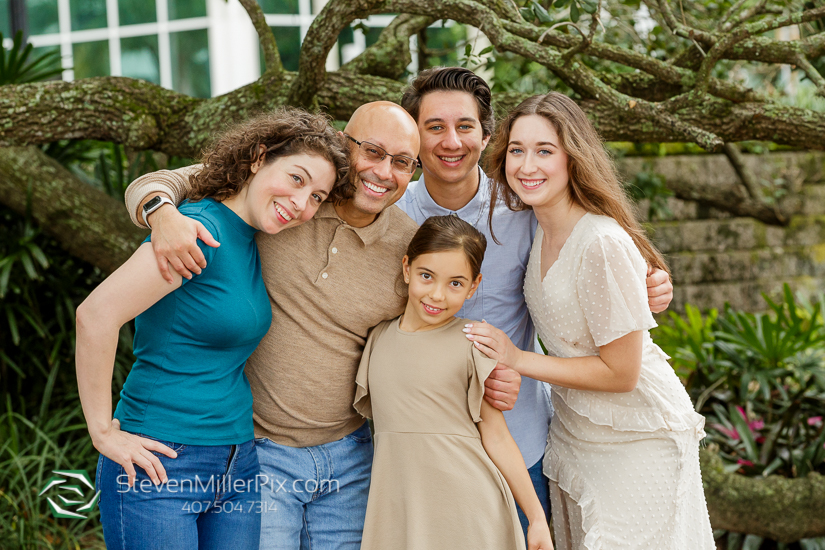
(374, 153)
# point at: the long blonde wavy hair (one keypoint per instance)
(592, 176)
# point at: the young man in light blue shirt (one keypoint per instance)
(452, 107)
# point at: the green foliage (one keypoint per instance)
(650, 186)
(42, 426)
(760, 381)
(17, 68)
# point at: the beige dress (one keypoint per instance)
(433, 486)
(624, 467)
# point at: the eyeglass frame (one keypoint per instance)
(415, 163)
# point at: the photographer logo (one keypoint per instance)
(73, 492)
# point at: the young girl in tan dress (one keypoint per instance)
(446, 467)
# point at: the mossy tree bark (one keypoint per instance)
(644, 99)
(775, 507)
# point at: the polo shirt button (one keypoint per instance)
(324, 275)
(334, 250)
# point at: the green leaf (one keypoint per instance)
(527, 14)
(541, 13)
(15, 333)
(590, 6)
(752, 542)
(28, 265)
(486, 50)
(574, 12)
(561, 3)
(745, 433)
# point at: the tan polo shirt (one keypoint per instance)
(329, 283)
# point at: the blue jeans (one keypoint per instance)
(315, 497)
(212, 500)
(540, 484)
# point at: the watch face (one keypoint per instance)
(151, 204)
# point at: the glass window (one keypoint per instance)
(53, 64)
(345, 39)
(139, 58)
(91, 59)
(42, 15)
(133, 12)
(442, 43)
(181, 9)
(289, 46)
(279, 6)
(5, 23)
(372, 35)
(88, 14)
(190, 63)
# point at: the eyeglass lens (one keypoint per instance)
(375, 153)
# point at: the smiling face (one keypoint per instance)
(536, 164)
(377, 184)
(452, 137)
(284, 193)
(439, 282)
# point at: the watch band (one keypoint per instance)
(153, 205)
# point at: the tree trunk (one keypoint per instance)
(86, 222)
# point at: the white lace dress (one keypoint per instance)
(624, 467)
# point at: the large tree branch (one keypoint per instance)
(775, 507)
(272, 58)
(145, 116)
(390, 56)
(320, 38)
(88, 223)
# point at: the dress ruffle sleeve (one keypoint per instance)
(479, 366)
(362, 401)
(611, 288)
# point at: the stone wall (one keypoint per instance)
(716, 258)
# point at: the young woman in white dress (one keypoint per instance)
(623, 451)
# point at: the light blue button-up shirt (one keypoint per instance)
(499, 299)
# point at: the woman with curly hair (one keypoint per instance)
(185, 412)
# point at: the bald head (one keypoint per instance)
(370, 118)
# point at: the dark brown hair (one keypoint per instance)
(451, 79)
(227, 163)
(443, 233)
(593, 181)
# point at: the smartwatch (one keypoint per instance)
(153, 205)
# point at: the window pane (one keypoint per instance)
(289, 46)
(88, 14)
(132, 12)
(346, 40)
(42, 16)
(91, 59)
(443, 41)
(279, 6)
(372, 35)
(5, 23)
(181, 9)
(55, 62)
(139, 58)
(190, 63)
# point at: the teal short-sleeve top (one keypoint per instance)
(187, 384)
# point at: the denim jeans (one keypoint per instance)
(540, 484)
(315, 497)
(212, 500)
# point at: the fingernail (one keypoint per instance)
(465, 330)
(469, 336)
(469, 325)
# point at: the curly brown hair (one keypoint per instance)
(287, 131)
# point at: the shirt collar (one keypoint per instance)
(370, 234)
(470, 210)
